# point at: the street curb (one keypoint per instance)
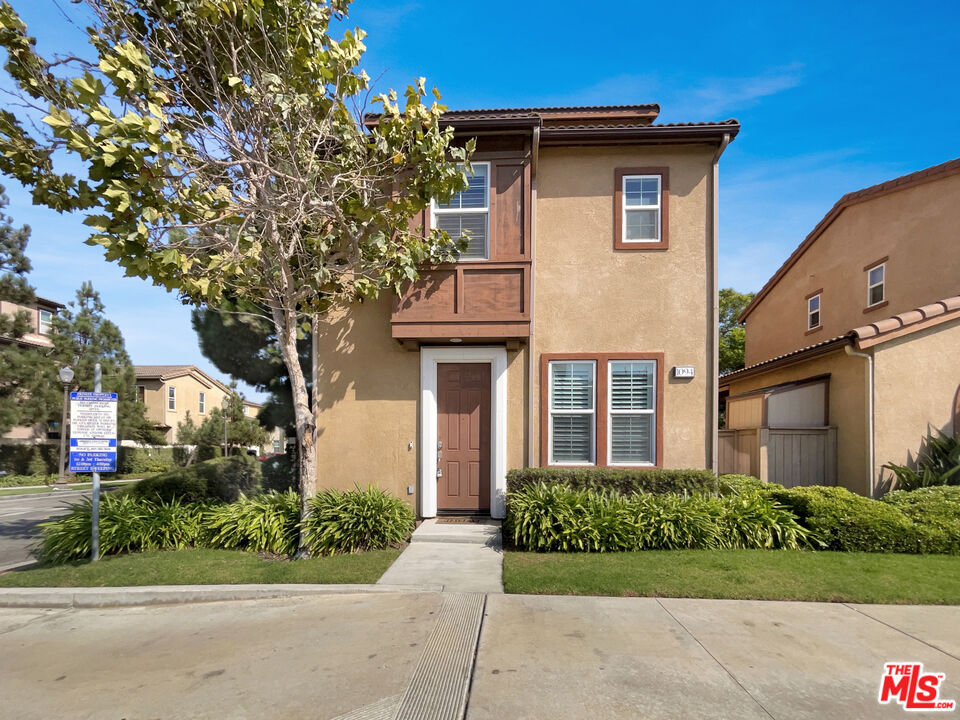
(102, 597)
(65, 489)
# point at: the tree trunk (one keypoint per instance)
(285, 322)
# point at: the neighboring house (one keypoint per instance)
(171, 391)
(41, 316)
(589, 277)
(852, 347)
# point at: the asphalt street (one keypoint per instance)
(20, 516)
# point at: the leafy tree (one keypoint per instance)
(732, 334)
(242, 431)
(82, 336)
(244, 346)
(241, 124)
(29, 388)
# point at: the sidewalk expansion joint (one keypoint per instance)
(441, 681)
(902, 632)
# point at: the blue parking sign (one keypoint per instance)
(93, 432)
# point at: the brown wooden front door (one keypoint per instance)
(463, 431)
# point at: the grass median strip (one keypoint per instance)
(739, 574)
(204, 567)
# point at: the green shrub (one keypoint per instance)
(625, 482)
(737, 484)
(279, 473)
(209, 452)
(224, 479)
(936, 508)
(938, 463)
(546, 517)
(127, 524)
(25, 459)
(265, 523)
(355, 520)
(843, 520)
(145, 460)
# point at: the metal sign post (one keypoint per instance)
(93, 443)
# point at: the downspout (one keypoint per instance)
(870, 424)
(712, 387)
(531, 358)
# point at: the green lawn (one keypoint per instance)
(204, 567)
(744, 574)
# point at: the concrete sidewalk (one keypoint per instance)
(465, 557)
(391, 655)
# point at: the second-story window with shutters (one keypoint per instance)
(467, 214)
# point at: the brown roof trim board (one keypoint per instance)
(937, 172)
(811, 351)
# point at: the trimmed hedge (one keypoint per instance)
(132, 460)
(42, 459)
(937, 507)
(551, 517)
(224, 479)
(625, 482)
(279, 473)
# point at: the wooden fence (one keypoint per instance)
(788, 456)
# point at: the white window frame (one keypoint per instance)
(882, 284)
(202, 403)
(651, 411)
(624, 209)
(818, 311)
(172, 397)
(41, 322)
(434, 211)
(551, 412)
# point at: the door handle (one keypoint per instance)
(439, 472)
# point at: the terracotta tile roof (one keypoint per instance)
(168, 372)
(868, 335)
(912, 320)
(646, 109)
(587, 126)
(903, 182)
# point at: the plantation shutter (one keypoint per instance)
(632, 429)
(571, 412)
(467, 215)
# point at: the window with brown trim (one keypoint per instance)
(603, 409)
(813, 312)
(641, 208)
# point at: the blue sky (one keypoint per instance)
(832, 97)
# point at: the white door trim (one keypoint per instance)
(430, 357)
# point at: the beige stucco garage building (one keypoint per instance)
(577, 329)
(853, 347)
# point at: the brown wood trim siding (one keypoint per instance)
(872, 265)
(814, 294)
(618, 175)
(600, 403)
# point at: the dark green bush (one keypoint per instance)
(279, 473)
(209, 452)
(355, 520)
(737, 484)
(546, 517)
(625, 482)
(136, 460)
(850, 522)
(266, 523)
(29, 459)
(127, 524)
(224, 479)
(936, 508)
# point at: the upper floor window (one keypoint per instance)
(467, 214)
(202, 403)
(641, 208)
(141, 393)
(45, 326)
(813, 312)
(876, 284)
(572, 422)
(171, 398)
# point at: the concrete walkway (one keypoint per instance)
(460, 557)
(392, 656)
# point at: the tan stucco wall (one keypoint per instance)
(369, 399)
(917, 381)
(916, 227)
(592, 298)
(9, 308)
(848, 408)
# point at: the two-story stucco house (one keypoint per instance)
(589, 278)
(857, 333)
